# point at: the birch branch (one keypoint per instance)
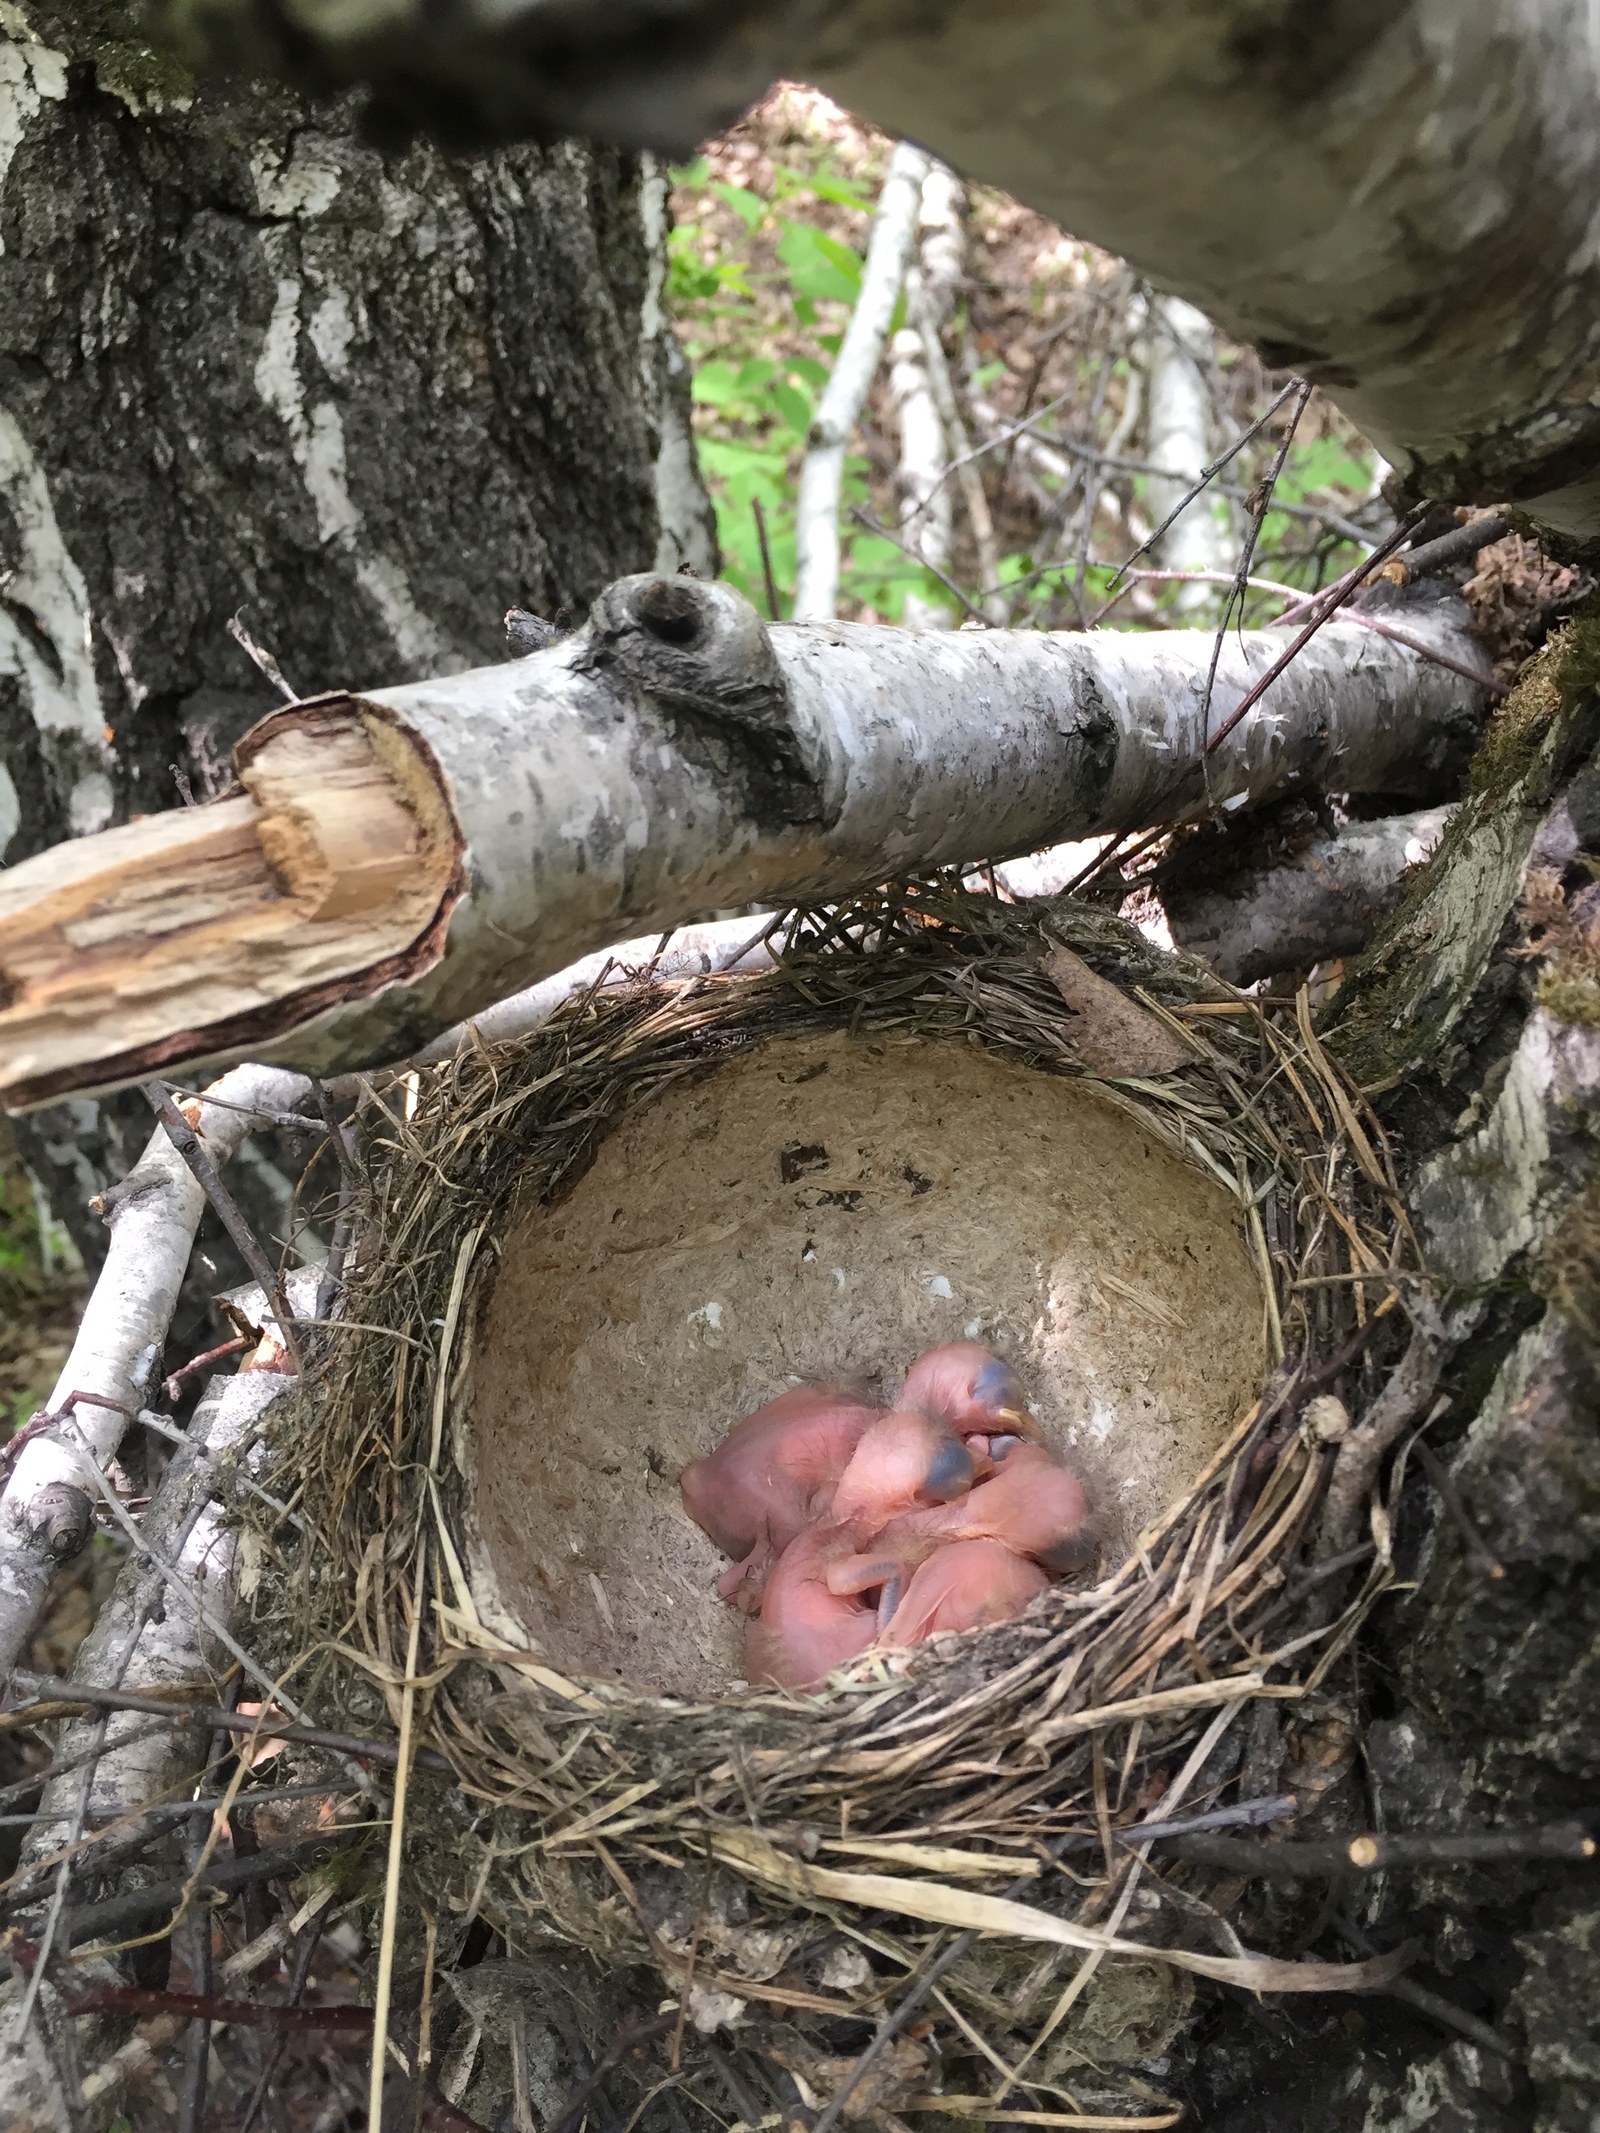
(142, 1647)
(1326, 901)
(153, 1216)
(822, 472)
(1412, 1384)
(672, 757)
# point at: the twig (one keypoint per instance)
(1248, 1814)
(767, 573)
(197, 2044)
(175, 1810)
(1207, 474)
(1410, 1386)
(1425, 2002)
(102, 1921)
(1302, 602)
(201, 2007)
(187, 1142)
(866, 519)
(237, 1479)
(1480, 1557)
(630, 2038)
(1330, 603)
(285, 1121)
(261, 658)
(1371, 1854)
(172, 1384)
(310, 1940)
(1241, 577)
(1455, 546)
(50, 1688)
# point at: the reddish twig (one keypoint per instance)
(1342, 590)
(200, 2006)
(171, 1384)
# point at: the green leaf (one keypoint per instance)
(842, 191)
(819, 266)
(754, 373)
(716, 384)
(748, 206)
(794, 407)
(809, 371)
(690, 174)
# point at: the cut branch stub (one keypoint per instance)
(333, 871)
(403, 861)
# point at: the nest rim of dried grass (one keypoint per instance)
(965, 1759)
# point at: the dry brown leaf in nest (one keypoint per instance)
(1111, 1034)
(898, 2075)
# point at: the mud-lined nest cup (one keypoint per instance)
(588, 1251)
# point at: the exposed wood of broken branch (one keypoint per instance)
(672, 757)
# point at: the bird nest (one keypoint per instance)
(956, 1828)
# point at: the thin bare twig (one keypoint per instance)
(261, 658)
(1241, 576)
(49, 1689)
(1432, 2004)
(310, 1940)
(1370, 1854)
(866, 519)
(172, 1384)
(1207, 474)
(1329, 605)
(1479, 1555)
(187, 1142)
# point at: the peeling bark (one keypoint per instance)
(672, 758)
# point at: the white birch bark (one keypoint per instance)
(675, 758)
(1181, 352)
(44, 1511)
(145, 1638)
(844, 395)
(925, 517)
(930, 428)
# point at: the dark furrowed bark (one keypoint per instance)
(247, 362)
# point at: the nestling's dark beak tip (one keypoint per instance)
(950, 1472)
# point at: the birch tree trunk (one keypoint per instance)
(1395, 201)
(1178, 421)
(843, 397)
(236, 347)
